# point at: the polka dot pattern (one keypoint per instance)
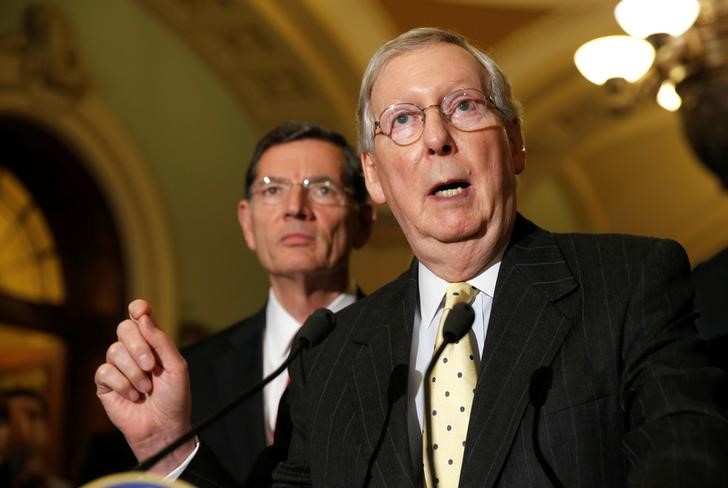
(451, 390)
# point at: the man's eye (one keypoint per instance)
(271, 190)
(465, 105)
(402, 119)
(325, 191)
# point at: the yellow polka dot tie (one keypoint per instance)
(451, 386)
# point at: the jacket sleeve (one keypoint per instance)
(676, 423)
(205, 471)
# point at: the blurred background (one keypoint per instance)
(126, 127)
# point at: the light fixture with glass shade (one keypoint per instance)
(605, 58)
(677, 52)
(642, 18)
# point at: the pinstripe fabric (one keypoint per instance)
(631, 401)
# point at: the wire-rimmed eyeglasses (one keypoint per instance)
(466, 109)
(275, 191)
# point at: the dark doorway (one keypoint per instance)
(88, 246)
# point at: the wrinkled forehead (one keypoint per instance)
(434, 66)
(305, 158)
(453, 59)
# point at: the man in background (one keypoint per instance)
(305, 209)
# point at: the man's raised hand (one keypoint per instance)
(144, 388)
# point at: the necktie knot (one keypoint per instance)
(459, 293)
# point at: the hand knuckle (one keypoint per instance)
(112, 352)
(123, 327)
(103, 375)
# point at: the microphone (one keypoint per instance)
(316, 327)
(456, 325)
(538, 390)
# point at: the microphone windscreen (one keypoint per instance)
(316, 327)
(458, 322)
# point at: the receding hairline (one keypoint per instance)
(340, 151)
(398, 53)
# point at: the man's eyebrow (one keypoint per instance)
(321, 178)
(314, 178)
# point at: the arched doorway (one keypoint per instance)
(63, 278)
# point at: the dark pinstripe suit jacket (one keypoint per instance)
(632, 401)
(220, 367)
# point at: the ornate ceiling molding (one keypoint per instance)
(43, 58)
(273, 55)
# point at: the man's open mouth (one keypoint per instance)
(450, 189)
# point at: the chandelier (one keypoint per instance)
(676, 50)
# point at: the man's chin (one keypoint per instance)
(295, 267)
(454, 233)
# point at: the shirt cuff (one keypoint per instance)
(174, 475)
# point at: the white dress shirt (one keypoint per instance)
(426, 322)
(280, 328)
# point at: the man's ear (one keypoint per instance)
(366, 216)
(517, 145)
(246, 223)
(371, 177)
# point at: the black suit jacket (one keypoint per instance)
(711, 301)
(711, 287)
(631, 401)
(221, 366)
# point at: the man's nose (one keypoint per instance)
(297, 204)
(436, 132)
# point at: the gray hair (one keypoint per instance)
(496, 85)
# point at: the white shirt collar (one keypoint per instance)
(281, 325)
(432, 287)
(280, 328)
(341, 301)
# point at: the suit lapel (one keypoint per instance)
(237, 369)
(380, 373)
(526, 329)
